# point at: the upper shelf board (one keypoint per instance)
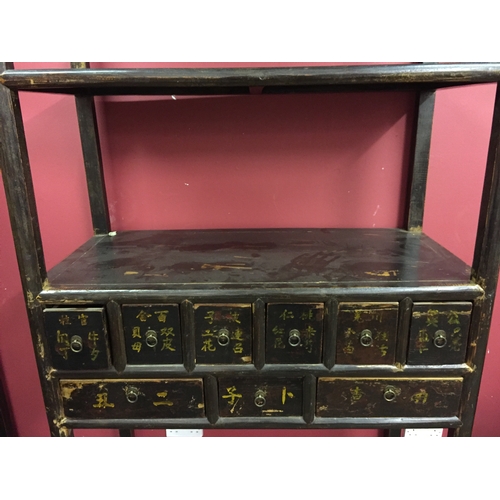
(192, 81)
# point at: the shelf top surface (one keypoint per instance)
(238, 80)
(258, 258)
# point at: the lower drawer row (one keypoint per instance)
(249, 397)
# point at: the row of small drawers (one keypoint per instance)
(249, 397)
(366, 334)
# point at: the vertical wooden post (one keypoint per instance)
(89, 134)
(27, 239)
(420, 160)
(485, 268)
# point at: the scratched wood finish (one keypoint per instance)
(101, 399)
(78, 338)
(256, 397)
(338, 397)
(237, 80)
(367, 333)
(223, 333)
(294, 333)
(439, 333)
(152, 334)
(268, 257)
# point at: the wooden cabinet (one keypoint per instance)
(295, 328)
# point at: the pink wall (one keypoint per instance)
(257, 161)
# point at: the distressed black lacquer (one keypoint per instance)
(257, 328)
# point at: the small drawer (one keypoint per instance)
(366, 333)
(250, 397)
(294, 333)
(347, 397)
(223, 333)
(172, 398)
(77, 338)
(152, 334)
(438, 333)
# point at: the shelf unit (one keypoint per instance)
(298, 328)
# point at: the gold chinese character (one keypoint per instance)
(208, 346)
(137, 346)
(357, 316)
(348, 348)
(456, 340)
(64, 320)
(162, 316)
(286, 315)
(237, 334)
(453, 318)
(62, 338)
(210, 317)
(238, 348)
(356, 394)
(278, 343)
(208, 333)
(136, 332)
(93, 337)
(83, 319)
(284, 394)
(102, 401)
(166, 402)
(422, 341)
(143, 316)
(420, 397)
(432, 317)
(383, 349)
(307, 315)
(232, 396)
(167, 332)
(233, 316)
(167, 344)
(278, 331)
(349, 332)
(382, 336)
(94, 353)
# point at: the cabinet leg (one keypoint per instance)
(126, 433)
(393, 433)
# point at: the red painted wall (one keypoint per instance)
(244, 161)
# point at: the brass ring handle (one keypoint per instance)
(294, 338)
(151, 338)
(260, 399)
(223, 337)
(366, 338)
(132, 394)
(440, 339)
(76, 343)
(390, 393)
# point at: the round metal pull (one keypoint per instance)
(223, 337)
(390, 393)
(132, 394)
(366, 338)
(76, 343)
(260, 399)
(294, 338)
(151, 338)
(440, 339)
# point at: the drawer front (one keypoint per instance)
(223, 333)
(152, 334)
(78, 338)
(172, 398)
(249, 397)
(342, 397)
(366, 333)
(294, 333)
(438, 333)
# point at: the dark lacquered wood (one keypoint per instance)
(484, 271)
(267, 257)
(420, 159)
(237, 80)
(91, 148)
